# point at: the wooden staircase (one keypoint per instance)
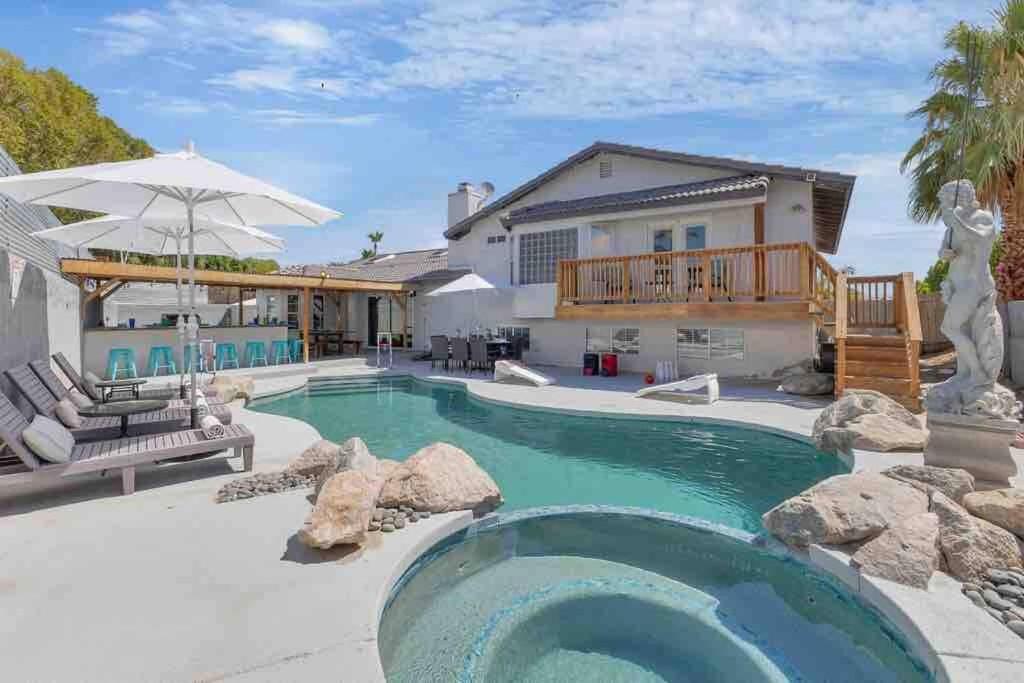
(878, 336)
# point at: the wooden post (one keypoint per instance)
(806, 268)
(307, 306)
(759, 255)
(626, 281)
(241, 308)
(403, 303)
(705, 264)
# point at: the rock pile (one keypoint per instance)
(1001, 594)
(263, 484)
(868, 420)
(906, 523)
(392, 519)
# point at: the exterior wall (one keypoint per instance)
(39, 308)
(782, 222)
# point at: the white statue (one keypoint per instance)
(971, 321)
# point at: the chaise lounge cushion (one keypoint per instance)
(79, 399)
(89, 382)
(67, 413)
(48, 440)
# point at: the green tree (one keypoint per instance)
(367, 253)
(375, 239)
(993, 133)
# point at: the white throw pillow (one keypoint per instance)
(90, 380)
(67, 413)
(48, 439)
(79, 399)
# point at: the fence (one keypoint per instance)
(932, 311)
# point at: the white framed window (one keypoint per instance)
(702, 343)
(620, 340)
(515, 331)
(495, 239)
(540, 252)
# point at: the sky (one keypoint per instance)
(378, 108)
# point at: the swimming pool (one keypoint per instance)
(570, 594)
(724, 474)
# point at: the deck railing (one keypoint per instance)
(756, 272)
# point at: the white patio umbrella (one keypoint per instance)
(470, 282)
(174, 186)
(163, 237)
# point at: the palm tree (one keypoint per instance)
(992, 132)
(375, 239)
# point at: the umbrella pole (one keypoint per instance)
(181, 316)
(193, 324)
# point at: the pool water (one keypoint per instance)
(724, 474)
(557, 595)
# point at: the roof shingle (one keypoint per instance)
(398, 267)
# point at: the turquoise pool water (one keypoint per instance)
(723, 474)
(558, 596)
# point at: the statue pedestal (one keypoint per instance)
(979, 445)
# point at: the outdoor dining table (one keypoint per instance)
(109, 387)
(123, 410)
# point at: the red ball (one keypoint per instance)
(648, 378)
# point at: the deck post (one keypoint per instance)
(759, 254)
(307, 306)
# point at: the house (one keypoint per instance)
(714, 263)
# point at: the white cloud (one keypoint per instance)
(167, 59)
(273, 78)
(301, 34)
(292, 117)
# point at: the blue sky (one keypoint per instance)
(379, 107)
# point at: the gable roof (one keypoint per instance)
(404, 266)
(721, 189)
(831, 190)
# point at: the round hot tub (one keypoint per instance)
(627, 595)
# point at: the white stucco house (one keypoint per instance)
(714, 263)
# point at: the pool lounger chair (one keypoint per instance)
(155, 393)
(50, 380)
(510, 370)
(97, 428)
(116, 454)
(683, 386)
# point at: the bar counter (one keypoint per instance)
(99, 340)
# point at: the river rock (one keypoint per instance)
(867, 420)
(906, 553)
(808, 384)
(952, 482)
(440, 478)
(343, 509)
(972, 546)
(315, 458)
(843, 509)
(1002, 507)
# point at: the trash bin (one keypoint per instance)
(609, 364)
(591, 364)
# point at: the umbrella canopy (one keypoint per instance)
(163, 236)
(470, 282)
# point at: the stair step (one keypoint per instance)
(886, 385)
(875, 368)
(877, 354)
(874, 340)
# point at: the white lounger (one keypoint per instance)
(511, 370)
(684, 385)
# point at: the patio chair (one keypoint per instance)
(116, 454)
(460, 353)
(50, 380)
(438, 351)
(479, 357)
(77, 382)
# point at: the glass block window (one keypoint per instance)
(621, 340)
(709, 344)
(540, 252)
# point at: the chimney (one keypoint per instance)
(463, 203)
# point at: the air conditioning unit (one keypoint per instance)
(811, 177)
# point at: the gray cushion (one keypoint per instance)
(67, 413)
(79, 399)
(48, 440)
(89, 379)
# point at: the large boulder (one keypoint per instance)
(342, 510)
(844, 508)
(353, 454)
(808, 384)
(972, 546)
(906, 553)
(955, 483)
(229, 387)
(440, 478)
(314, 459)
(1002, 507)
(870, 421)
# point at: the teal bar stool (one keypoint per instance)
(255, 352)
(121, 361)
(296, 348)
(227, 354)
(192, 353)
(279, 350)
(161, 358)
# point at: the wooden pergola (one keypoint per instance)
(112, 275)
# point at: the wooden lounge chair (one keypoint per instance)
(50, 380)
(97, 428)
(156, 393)
(116, 454)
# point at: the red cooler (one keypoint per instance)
(609, 364)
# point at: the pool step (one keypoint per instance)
(355, 385)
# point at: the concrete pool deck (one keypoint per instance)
(167, 585)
